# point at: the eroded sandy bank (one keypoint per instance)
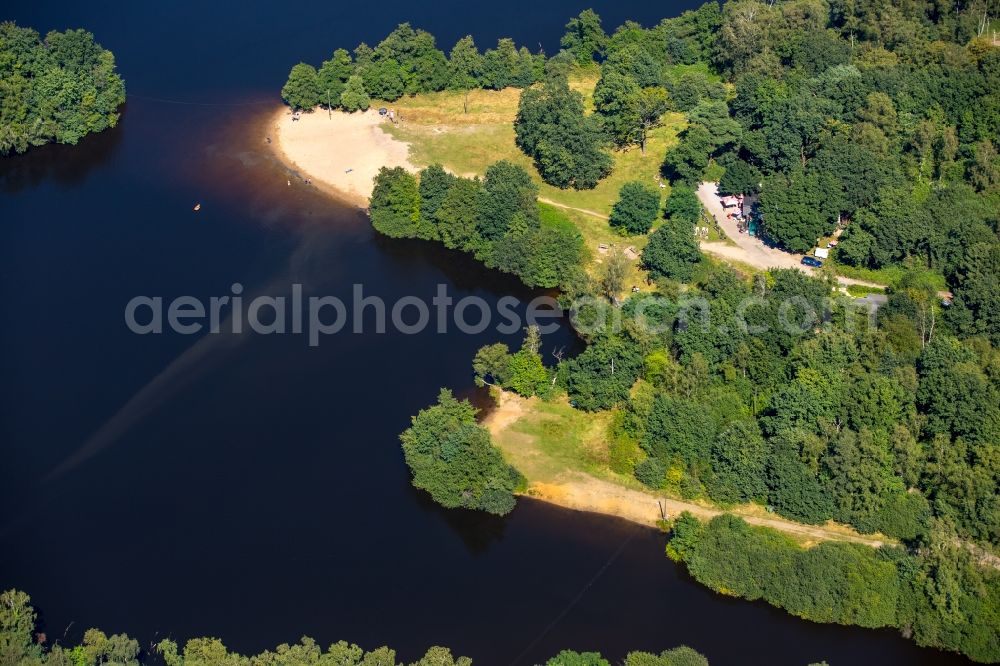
(573, 489)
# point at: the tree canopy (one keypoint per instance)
(878, 121)
(672, 250)
(57, 89)
(585, 38)
(636, 208)
(22, 644)
(565, 144)
(498, 219)
(452, 457)
(407, 62)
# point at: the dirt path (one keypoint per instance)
(749, 250)
(587, 493)
(508, 409)
(577, 490)
(579, 210)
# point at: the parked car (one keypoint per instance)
(811, 261)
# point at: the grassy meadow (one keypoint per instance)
(440, 131)
(552, 438)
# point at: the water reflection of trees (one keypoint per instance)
(462, 270)
(65, 164)
(478, 530)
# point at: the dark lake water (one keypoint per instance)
(252, 487)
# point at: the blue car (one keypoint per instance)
(811, 261)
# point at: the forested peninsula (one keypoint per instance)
(57, 89)
(867, 130)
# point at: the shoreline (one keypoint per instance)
(339, 153)
(319, 148)
(579, 491)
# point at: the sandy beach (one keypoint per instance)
(340, 153)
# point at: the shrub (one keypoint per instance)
(651, 472)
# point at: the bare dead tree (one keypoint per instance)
(558, 355)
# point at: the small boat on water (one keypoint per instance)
(197, 207)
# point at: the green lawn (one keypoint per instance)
(552, 438)
(859, 291)
(889, 276)
(597, 232)
(440, 131)
(550, 442)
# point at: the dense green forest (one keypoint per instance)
(878, 118)
(887, 427)
(20, 645)
(58, 89)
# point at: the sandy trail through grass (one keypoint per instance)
(562, 452)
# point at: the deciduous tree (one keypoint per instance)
(451, 457)
(566, 145)
(301, 91)
(636, 208)
(585, 38)
(354, 96)
(672, 251)
(395, 203)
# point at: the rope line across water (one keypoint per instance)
(573, 602)
(163, 100)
